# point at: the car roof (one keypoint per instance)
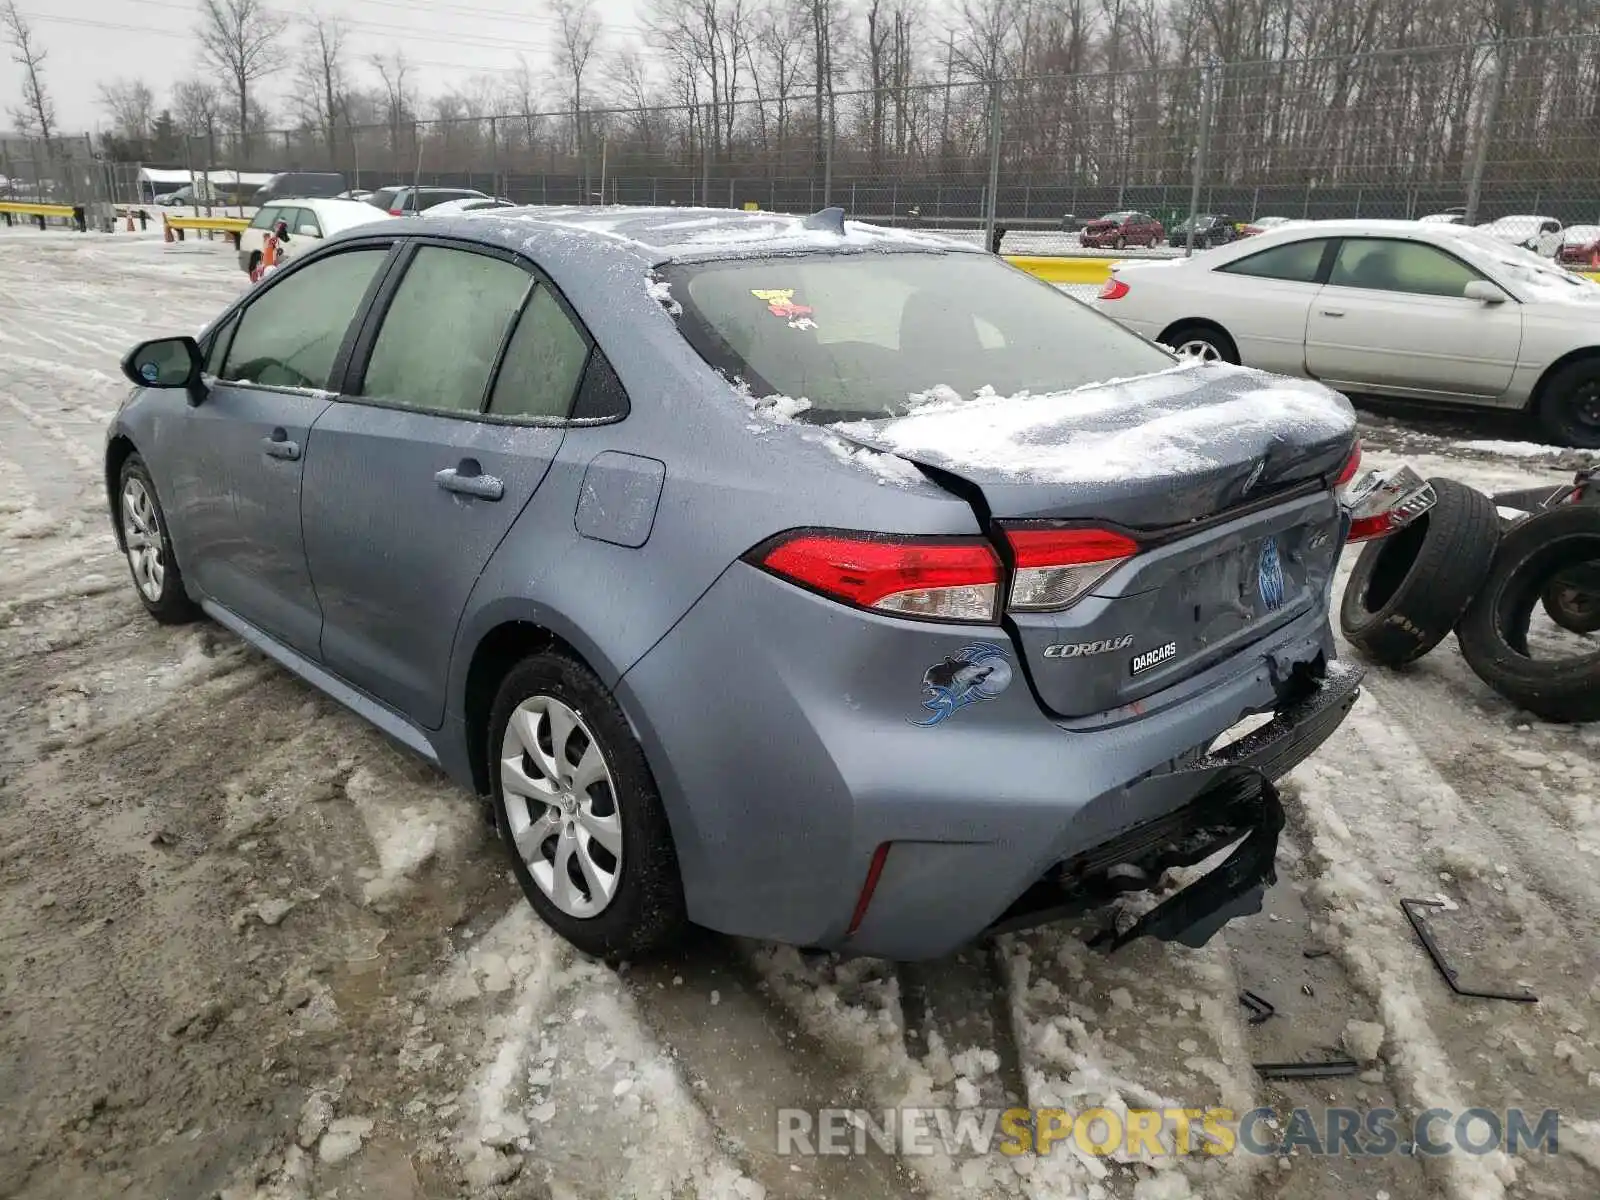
(654, 236)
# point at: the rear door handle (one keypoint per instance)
(1332, 312)
(467, 479)
(279, 445)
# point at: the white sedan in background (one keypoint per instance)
(1542, 235)
(1417, 311)
(309, 221)
(454, 208)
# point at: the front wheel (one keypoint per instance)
(148, 546)
(1119, 243)
(579, 812)
(1154, 242)
(1569, 404)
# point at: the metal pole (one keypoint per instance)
(827, 159)
(1481, 159)
(990, 204)
(705, 157)
(1202, 144)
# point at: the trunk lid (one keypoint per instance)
(1219, 473)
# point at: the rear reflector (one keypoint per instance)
(1114, 289)
(1056, 567)
(1351, 466)
(936, 579)
(874, 872)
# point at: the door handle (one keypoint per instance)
(1332, 312)
(279, 446)
(467, 479)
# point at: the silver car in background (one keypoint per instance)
(1412, 310)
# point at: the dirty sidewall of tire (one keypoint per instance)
(1407, 591)
(1493, 633)
(174, 606)
(646, 915)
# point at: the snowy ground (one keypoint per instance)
(249, 948)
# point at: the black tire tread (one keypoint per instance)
(174, 607)
(1552, 403)
(1453, 551)
(1560, 690)
(646, 916)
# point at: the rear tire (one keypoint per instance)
(1205, 342)
(1119, 243)
(1494, 632)
(147, 546)
(1408, 590)
(1569, 404)
(611, 904)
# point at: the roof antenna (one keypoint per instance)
(829, 220)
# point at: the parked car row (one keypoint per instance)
(1414, 310)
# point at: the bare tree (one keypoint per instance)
(577, 34)
(131, 105)
(237, 37)
(37, 116)
(321, 89)
(197, 105)
(399, 98)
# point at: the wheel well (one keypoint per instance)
(502, 648)
(1566, 360)
(117, 452)
(1202, 323)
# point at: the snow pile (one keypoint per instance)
(409, 830)
(1121, 429)
(1519, 449)
(661, 292)
(780, 410)
(889, 468)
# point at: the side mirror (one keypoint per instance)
(174, 362)
(1484, 292)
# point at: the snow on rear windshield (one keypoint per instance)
(861, 335)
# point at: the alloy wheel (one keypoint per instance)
(141, 533)
(1201, 349)
(561, 806)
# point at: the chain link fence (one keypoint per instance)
(1491, 130)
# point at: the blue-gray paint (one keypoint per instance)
(618, 497)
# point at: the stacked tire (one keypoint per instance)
(1454, 568)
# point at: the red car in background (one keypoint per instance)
(1119, 230)
(1580, 247)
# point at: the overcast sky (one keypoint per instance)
(91, 41)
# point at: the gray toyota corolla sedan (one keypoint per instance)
(781, 575)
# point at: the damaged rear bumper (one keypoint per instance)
(1237, 803)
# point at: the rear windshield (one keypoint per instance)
(383, 198)
(867, 335)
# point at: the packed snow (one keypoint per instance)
(264, 954)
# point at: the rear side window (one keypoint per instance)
(543, 363)
(1296, 262)
(265, 218)
(443, 330)
(290, 335)
(383, 198)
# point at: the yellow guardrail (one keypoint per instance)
(210, 224)
(1067, 269)
(1062, 269)
(26, 208)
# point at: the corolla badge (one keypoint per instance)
(1270, 575)
(979, 672)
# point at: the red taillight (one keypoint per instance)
(1056, 567)
(1351, 466)
(1114, 289)
(1364, 529)
(397, 212)
(874, 873)
(940, 579)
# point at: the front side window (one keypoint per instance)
(860, 335)
(290, 335)
(1393, 266)
(265, 218)
(1293, 262)
(543, 362)
(443, 330)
